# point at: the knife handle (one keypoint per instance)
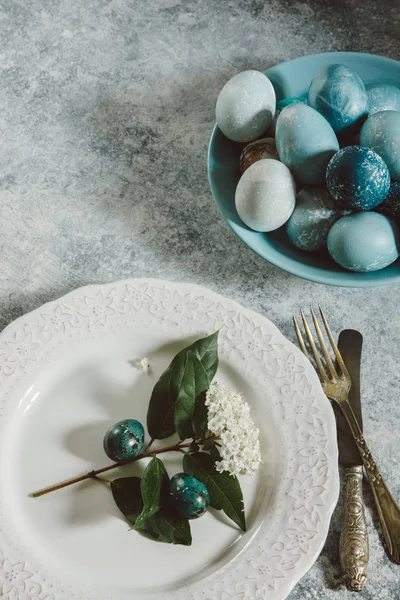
(388, 509)
(354, 545)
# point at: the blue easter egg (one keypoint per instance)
(382, 96)
(339, 94)
(280, 105)
(358, 178)
(365, 241)
(188, 496)
(245, 106)
(391, 206)
(305, 142)
(124, 440)
(315, 213)
(381, 133)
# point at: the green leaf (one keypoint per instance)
(224, 489)
(200, 417)
(170, 528)
(154, 489)
(163, 526)
(194, 382)
(127, 496)
(161, 412)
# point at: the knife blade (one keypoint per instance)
(354, 544)
(350, 345)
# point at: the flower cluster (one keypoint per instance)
(229, 419)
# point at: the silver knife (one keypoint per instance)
(354, 545)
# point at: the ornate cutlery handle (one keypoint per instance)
(388, 510)
(354, 546)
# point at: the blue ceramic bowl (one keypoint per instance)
(292, 79)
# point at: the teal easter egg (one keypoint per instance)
(363, 242)
(305, 142)
(391, 206)
(339, 94)
(315, 213)
(265, 195)
(188, 496)
(245, 106)
(381, 133)
(280, 105)
(358, 178)
(382, 96)
(124, 440)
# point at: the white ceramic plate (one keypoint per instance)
(67, 372)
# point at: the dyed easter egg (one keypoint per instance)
(188, 496)
(391, 206)
(358, 178)
(264, 148)
(339, 94)
(365, 241)
(315, 213)
(124, 440)
(245, 106)
(381, 133)
(305, 142)
(280, 105)
(265, 195)
(382, 96)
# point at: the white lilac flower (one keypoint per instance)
(229, 418)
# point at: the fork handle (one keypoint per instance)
(354, 546)
(388, 509)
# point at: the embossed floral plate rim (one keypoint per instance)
(266, 567)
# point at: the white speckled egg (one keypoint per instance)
(265, 195)
(246, 106)
(364, 241)
(382, 96)
(381, 133)
(305, 142)
(315, 213)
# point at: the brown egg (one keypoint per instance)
(264, 148)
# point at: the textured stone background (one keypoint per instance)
(106, 110)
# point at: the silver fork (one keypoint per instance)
(336, 385)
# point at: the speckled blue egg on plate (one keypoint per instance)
(265, 195)
(188, 496)
(382, 96)
(246, 106)
(381, 133)
(305, 142)
(124, 440)
(315, 213)
(358, 178)
(363, 242)
(339, 94)
(391, 206)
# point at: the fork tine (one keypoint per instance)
(299, 337)
(320, 366)
(339, 358)
(324, 349)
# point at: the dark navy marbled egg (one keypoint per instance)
(188, 496)
(124, 440)
(382, 96)
(315, 213)
(364, 242)
(381, 133)
(358, 178)
(305, 142)
(391, 206)
(339, 94)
